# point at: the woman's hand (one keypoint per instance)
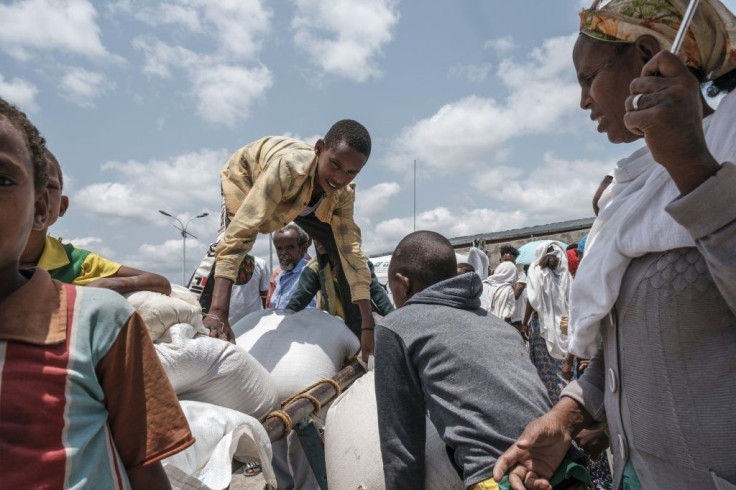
(524, 329)
(567, 365)
(540, 449)
(583, 365)
(535, 456)
(593, 442)
(669, 114)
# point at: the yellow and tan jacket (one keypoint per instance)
(266, 184)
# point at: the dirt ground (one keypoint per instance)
(242, 482)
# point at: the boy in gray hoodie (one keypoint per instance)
(441, 354)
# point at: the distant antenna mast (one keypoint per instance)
(415, 195)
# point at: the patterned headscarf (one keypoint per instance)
(572, 261)
(710, 44)
(581, 244)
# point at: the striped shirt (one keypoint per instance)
(83, 397)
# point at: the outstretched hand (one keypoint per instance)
(367, 338)
(666, 108)
(219, 327)
(533, 458)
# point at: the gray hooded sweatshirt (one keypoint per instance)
(443, 355)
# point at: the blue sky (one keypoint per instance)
(143, 102)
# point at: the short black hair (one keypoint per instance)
(302, 237)
(572, 246)
(425, 257)
(51, 159)
(725, 83)
(352, 133)
(465, 267)
(508, 249)
(34, 142)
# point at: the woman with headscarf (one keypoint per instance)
(658, 283)
(572, 260)
(498, 291)
(546, 315)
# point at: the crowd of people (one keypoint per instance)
(607, 365)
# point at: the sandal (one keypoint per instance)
(252, 468)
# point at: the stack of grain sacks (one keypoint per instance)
(297, 349)
(353, 450)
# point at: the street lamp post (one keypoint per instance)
(183, 230)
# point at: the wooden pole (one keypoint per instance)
(303, 407)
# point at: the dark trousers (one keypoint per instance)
(322, 232)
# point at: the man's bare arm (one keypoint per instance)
(217, 318)
(127, 280)
(368, 325)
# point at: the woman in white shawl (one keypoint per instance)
(658, 282)
(498, 291)
(546, 316)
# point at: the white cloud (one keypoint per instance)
(30, 26)
(94, 244)
(552, 61)
(158, 14)
(166, 258)
(373, 199)
(461, 222)
(501, 45)
(240, 25)
(468, 133)
(556, 190)
(161, 58)
(224, 82)
(183, 185)
(19, 92)
(85, 241)
(237, 26)
(344, 37)
(226, 93)
(310, 140)
(83, 87)
(474, 73)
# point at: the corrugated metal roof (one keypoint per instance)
(519, 233)
(528, 232)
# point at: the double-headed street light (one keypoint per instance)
(183, 230)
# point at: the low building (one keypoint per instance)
(567, 231)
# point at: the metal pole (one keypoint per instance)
(184, 258)
(682, 31)
(270, 252)
(415, 195)
(183, 230)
